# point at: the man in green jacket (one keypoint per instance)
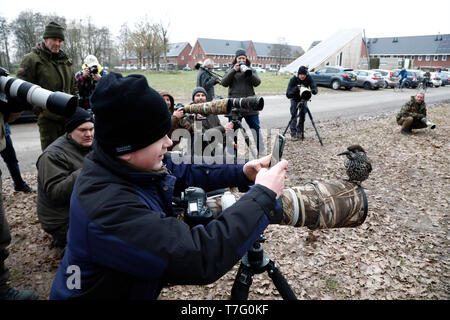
(58, 167)
(412, 114)
(49, 67)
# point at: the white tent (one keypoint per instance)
(322, 51)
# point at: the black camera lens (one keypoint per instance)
(93, 70)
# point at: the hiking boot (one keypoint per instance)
(294, 138)
(13, 294)
(25, 188)
(404, 132)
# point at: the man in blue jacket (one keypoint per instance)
(124, 241)
(293, 93)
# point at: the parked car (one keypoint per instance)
(388, 77)
(436, 79)
(445, 78)
(412, 77)
(259, 70)
(187, 68)
(369, 79)
(334, 77)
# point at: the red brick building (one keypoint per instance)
(222, 52)
(178, 56)
(182, 54)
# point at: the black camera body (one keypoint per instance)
(93, 70)
(197, 211)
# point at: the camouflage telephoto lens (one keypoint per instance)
(324, 204)
(211, 107)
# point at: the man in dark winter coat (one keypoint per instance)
(240, 85)
(207, 80)
(124, 241)
(210, 121)
(303, 79)
(58, 167)
(49, 67)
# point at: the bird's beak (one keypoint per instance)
(345, 153)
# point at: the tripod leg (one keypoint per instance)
(314, 125)
(242, 283)
(280, 281)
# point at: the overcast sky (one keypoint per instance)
(298, 22)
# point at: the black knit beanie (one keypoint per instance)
(197, 90)
(54, 30)
(241, 52)
(302, 70)
(78, 118)
(129, 115)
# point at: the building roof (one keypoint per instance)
(414, 45)
(322, 51)
(314, 43)
(219, 46)
(174, 49)
(229, 47)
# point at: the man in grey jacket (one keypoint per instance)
(58, 167)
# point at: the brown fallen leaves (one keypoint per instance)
(400, 252)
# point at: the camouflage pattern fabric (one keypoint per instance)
(322, 205)
(318, 205)
(212, 107)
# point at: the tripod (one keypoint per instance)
(303, 105)
(238, 125)
(255, 261)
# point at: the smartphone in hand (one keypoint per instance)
(277, 151)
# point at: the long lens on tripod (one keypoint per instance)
(33, 95)
(224, 106)
(211, 107)
(305, 93)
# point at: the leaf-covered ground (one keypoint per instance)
(400, 252)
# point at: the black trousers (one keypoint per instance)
(297, 125)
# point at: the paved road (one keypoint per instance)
(327, 105)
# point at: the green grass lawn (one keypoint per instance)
(181, 83)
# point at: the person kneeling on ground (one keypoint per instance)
(58, 167)
(411, 114)
(124, 240)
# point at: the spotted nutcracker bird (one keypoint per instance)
(357, 164)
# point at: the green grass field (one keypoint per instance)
(181, 83)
